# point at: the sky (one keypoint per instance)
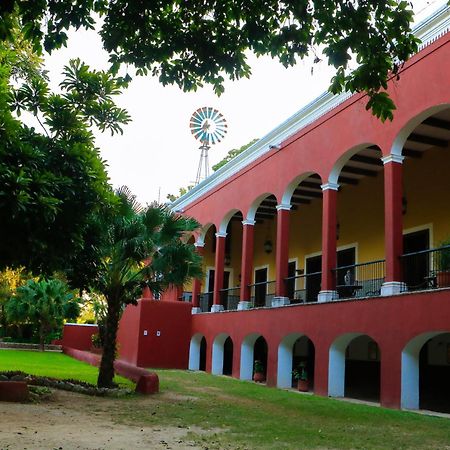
(157, 153)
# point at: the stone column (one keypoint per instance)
(282, 255)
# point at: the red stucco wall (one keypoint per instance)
(167, 349)
(78, 336)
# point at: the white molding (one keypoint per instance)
(283, 207)
(392, 288)
(393, 158)
(216, 308)
(327, 296)
(330, 186)
(199, 244)
(426, 226)
(196, 310)
(250, 222)
(221, 235)
(244, 305)
(427, 31)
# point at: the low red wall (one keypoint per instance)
(156, 334)
(78, 336)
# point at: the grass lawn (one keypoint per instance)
(243, 415)
(52, 364)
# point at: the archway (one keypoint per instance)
(209, 250)
(295, 349)
(426, 371)
(354, 367)
(197, 352)
(219, 356)
(228, 356)
(253, 347)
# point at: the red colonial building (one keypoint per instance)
(327, 243)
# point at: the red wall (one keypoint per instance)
(169, 349)
(391, 321)
(78, 336)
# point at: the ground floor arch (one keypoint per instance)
(219, 355)
(354, 367)
(254, 347)
(197, 352)
(425, 372)
(295, 349)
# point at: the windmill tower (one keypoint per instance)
(209, 127)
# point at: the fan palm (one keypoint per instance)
(44, 303)
(142, 246)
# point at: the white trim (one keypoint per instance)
(199, 244)
(250, 222)
(426, 226)
(205, 284)
(283, 207)
(393, 158)
(221, 235)
(427, 31)
(330, 186)
(338, 249)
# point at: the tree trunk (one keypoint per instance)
(42, 338)
(106, 372)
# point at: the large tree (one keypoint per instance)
(139, 246)
(190, 43)
(52, 179)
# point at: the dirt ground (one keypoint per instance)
(69, 421)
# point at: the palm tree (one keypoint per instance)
(141, 246)
(45, 304)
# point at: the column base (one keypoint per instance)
(327, 296)
(280, 301)
(242, 306)
(392, 288)
(216, 308)
(196, 310)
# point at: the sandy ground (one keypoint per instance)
(73, 421)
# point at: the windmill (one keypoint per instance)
(209, 127)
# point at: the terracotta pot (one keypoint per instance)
(303, 385)
(259, 377)
(443, 278)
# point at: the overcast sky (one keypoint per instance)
(157, 153)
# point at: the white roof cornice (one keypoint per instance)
(427, 31)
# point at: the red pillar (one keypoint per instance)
(197, 284)
(393, 223)
(282, 250)
(146, 293)
(329, 221)
(248, 234)
(218, 271)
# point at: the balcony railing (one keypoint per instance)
(360, 280)
(229, 298)
(303, 288)
(261, 294)
(427, 269)
(206, 301)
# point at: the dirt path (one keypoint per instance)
(73, 421)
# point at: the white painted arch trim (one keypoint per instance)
(218, 353)
(194, 351)
(247, 352)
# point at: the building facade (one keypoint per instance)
(326, 244)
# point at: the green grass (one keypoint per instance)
(251, 416)
(52, 364)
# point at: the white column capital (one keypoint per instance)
(199, 244)
(330, 186)
(284, 207)
(250, 222)
(393, 158)
(221, 235)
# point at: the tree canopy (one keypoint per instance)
(191, 43)
(52, 180)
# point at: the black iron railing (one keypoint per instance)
(229, 298)
(360, 280)
(261, 294)
(427, 269)
(206, 301)
(303, 288)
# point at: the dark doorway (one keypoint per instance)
(260, 352)
(226, 281)
(228, 356)
(202, 365)
(416, 268)
(345, 258)
(304, 353)
(313, 282)
(260, 289)
(290, 285)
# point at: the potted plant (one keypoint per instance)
(300, 374)
(258, 371)
(443, 273)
